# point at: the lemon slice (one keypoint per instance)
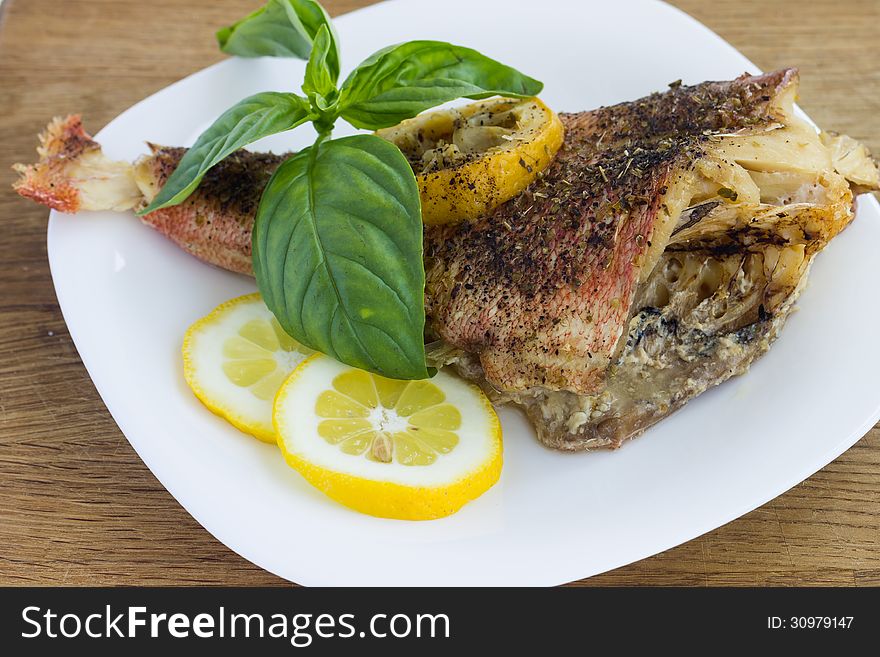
(412, 450)
(236, 358)
(471, 159)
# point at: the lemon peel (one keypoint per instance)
(471, 159)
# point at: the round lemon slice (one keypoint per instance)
(412, 450)
(236, 358)
(469, 160)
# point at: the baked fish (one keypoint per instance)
(658, 255)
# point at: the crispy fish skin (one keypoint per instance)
(216, 221)
(540, 288)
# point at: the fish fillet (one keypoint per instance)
(660, 255)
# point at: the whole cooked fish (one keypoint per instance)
(659, 254)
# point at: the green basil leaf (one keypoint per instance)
(340, 263)
(401, 81)
(282, 28)
(318, 80)
(245, 122)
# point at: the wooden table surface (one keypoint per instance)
(77, 506)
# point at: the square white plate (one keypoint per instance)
(128, 295)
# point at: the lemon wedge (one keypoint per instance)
(236, 358)
(471, 159)
(411, 450)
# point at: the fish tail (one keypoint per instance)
(73, 174)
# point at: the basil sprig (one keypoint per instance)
(337, 243)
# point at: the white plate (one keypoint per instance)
(128, 295)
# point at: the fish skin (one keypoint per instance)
(216, 221)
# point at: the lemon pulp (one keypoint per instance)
(235, 360)
(385, 419)
(260, 356)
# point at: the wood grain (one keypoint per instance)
(77, 506)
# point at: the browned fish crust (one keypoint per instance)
(215, 222)
(542, 288)
(673, 234)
